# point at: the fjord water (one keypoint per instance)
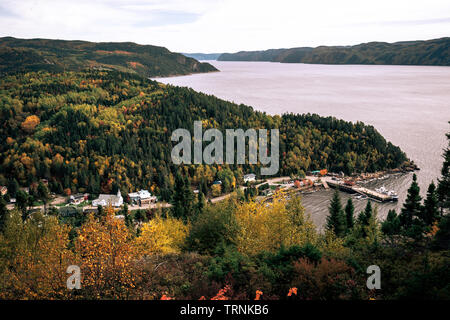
(408, 105)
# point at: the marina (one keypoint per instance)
(380, 194)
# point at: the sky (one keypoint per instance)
(227, 25)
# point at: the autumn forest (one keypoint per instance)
(103, 131)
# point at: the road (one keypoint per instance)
(61, 199)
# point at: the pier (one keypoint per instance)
(361, 190)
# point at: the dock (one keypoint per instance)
(373, 194)
(361, 190)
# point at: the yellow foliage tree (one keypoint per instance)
(216, 190)
(162, 235)
(34, 258)
(268, 226)
(105, 254)
(332, 246)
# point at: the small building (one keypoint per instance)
(142, 197)
(78, 198)
(249, 177)
(3, 190)
(108, 200)
(217, 182)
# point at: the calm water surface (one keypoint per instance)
(409, 106)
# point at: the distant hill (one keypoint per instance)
(431, 52)
(58, 55)
(203, 56)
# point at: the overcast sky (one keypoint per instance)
(227, 25)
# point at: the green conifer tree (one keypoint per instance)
(391, 225)
(178, 196)
(3, 213)
(443, 189)
(336, 218)
(431, 206)
(412, 207)
(349, 212)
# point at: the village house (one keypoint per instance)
(78, 198)
(249, 177)
(141, 197)
(3, 190)
(108, 199)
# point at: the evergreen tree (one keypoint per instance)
(13, 187)
(100, 211)
(391, 225)
(443, 189)
(411, 216)
(336, 218)
(188, 198)
(364, 216)
(125, 209)
(127, 216)
(442, 238)
(201, 201)
(22, 202)
(182, 203)
(412, 207)
(140, 216)
(3, 213)
(349, 212)
(430, 209)
(43, 195)
(178, 196)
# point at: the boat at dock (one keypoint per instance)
(391, 193)
(380, 194)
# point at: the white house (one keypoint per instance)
(108, 199)
(249, 177)
(142, 197)
(78, 198)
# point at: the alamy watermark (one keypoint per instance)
(374, 280)
(74, 281)
(213, 152)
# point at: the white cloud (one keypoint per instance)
(228, 25)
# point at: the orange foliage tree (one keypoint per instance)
(30, 123)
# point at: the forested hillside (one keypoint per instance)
(203, 56)
(431, 52)
(97, 131)
(62, 55)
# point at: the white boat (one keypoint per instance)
(393, 195)
(382, 190)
